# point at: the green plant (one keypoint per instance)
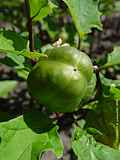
(61, 78)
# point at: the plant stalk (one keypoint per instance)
(98, 83)
(29, 26)
(116, 144)
(79, 43)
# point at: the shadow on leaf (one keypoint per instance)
(5, 116)
(39, 122)
(19, 42)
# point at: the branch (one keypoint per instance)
(79, 43)
(98, 84)
(29, 26)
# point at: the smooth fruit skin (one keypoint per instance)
(60, 81)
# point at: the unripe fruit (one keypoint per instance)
(60, 81)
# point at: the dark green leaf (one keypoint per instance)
(103, 117)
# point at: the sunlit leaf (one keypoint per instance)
(85, 15)
(25, 137)
(113, 58)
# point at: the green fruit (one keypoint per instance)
(60, 81)
(90, 92)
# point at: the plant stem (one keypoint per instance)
(29, 26)
(116, 144)
(98, 84)
(79, 43)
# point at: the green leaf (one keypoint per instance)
(25, 137)
(54, 144)
(103, 116)
(36, 5)
(40, 9)
(10, 40)
(12, 43)
(107, 83)
(14, 46)
(6, 87)
(113, 58)
(86, 148)
(22, 73)
(18, 59)
(15, 55)
(12, 58)
(5, 43)
(32, 55)
(115, 92)
(85, 15)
